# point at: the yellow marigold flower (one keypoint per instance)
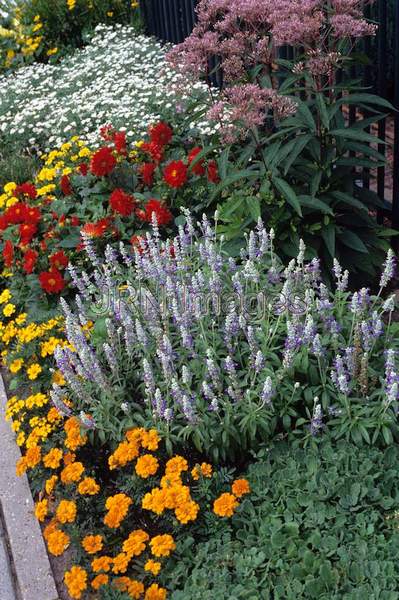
(240, 487)
(33, 371)
(16, 365)
(9, 310)
(52, 51)
(66, 511)
(33, 456)
(20, 320)
(58, 378)
(135, 589)
(110, 13)
(150, 439)
(50, 484)
(154, 592)
(92, 543)
(187, 512)
(155, 501)
(52, 459)
(72, 472)
(99, 580)
(176, 465)
(134, 545)
(152, 566)
(57, 541)
(10, 187)
(162, 545)
(53, 415)
(76, 582)
(225, 505)
(203, 469)
(121, 562)
(50, 528)
(146, 466)
(84, 152)
(21, 437)
(103, 563)
(88, 486)
(74, 439)
(41, 510)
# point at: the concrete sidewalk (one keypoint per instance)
(7, 591)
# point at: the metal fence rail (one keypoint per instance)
(173, 20)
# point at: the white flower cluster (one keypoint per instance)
(120, 78)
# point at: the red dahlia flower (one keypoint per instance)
(161, 212)
(160, 134)
(8, 253)
(120, 142)
(198, 168)
(154, 150)
(52, 281)
(102, 162)
(65, 185)
(212, 172)
(17, 213)
(83, 169)
(121, 202)
(3, 222)
(175, 174)
(75, 221)
(147, 173)
(30, 258)
(33, 215)
(96, 229)
(26, 232)
(26, 189)
(59, 260)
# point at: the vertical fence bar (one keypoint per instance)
(382, 61)
(395, 196)
(367, 82)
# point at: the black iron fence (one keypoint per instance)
(173, 20)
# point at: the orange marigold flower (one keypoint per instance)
(99, 580)
(225, 505)
(50, 484)
(134, 545)
(33, 456)
(154, 592)
(240, 487)
(74, 439)
(203, 469)
(176, 465)
(162, 545)
(124, 453)
(53, 415)
(187, 512)
(135, 435)
(88, 486)
(150, 440)
(52, 459)
(155, 501)
(66, 511)
(135, 589)
(118, 507)
(69, 457)
(57, 541)
(92, 543)
(102, 563)
(72, 472)
(21, 466)
(41, 510)
(177, 495)
(146, 466)
(76, 582)
(152, 566)
(121, 562)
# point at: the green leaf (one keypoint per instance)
(355, 134)
(300, 144)
(288, 193)
(233, 178)
(254, 207)
(368, 99)
(328, 235)
(344, 198)
(307, 117)
(315, 204)
(321, 105)
(350, 239)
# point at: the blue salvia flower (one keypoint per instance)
(389, 269)
(267, 391)
(316, 423)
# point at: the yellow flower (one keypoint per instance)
(57, 541)
(154, 592)
(100, 580)
(162, 545)
(135, 589)
(187, 512)
(66, 511)
(50, 484)
(5, 296)
(203, 469)
(8, 310)
(152, 566)
(76, 581)
(72, 472)
(33, 371)
(16, 365)
(134, 545)
(88, 486)
(58, 378)
(121, 562)
(41, 510)
(52, 51)
(103, 563)
(52, 459)
(10, 187)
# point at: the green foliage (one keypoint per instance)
(319, 523)
(107, 592)
(16, 165)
